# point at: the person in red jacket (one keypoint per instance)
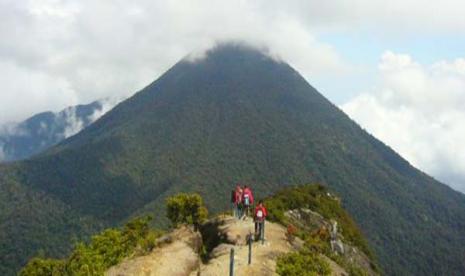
(237, 201)
(259, 218)
(247, 200)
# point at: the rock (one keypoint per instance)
(337, 246)
(220, 250)
(178, 257)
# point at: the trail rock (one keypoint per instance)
(177, 256)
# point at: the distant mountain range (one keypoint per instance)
(235, 115)
(41, 131)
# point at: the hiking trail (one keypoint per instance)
(177, 253)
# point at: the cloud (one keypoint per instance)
(106, 105)
(74, 124)
(58, 53)
(394, 18)
(418, 110)
(61, 53)
(25, 89)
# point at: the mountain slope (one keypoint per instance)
(237, 115)
(41, 131)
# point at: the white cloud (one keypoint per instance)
(73, 123)
(418, 110)
(106, 105)
(395, 17)
(25, 89)
(58, 53)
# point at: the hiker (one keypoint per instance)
(236, 199)
(247, 200)
(233, 202)
(259, 218)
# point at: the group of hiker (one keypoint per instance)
(242, 200)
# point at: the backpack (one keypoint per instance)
(260, 214)
(246, 199)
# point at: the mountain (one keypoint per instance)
(234, 115)
(41, 131)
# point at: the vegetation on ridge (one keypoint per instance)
(307, 261)
(302, 264)
(315, 197)
(111, 246)
(103, 251)
(186, 209)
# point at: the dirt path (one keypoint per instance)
(179, 256)
(263, 255)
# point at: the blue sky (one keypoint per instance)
(365, 50)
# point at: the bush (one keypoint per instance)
(41, 267)
(303, 263)
(186, 208)
(104, 250)
(315, 197)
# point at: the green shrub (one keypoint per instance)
(40, 267)
(315, 197)
(303, 263)
(103, 251)
(186, 208)
(149, 242)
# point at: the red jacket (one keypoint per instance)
(248, 192)
(237, 196)
(260, 213)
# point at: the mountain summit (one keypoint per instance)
(234, 115)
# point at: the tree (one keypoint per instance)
(186, 208)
